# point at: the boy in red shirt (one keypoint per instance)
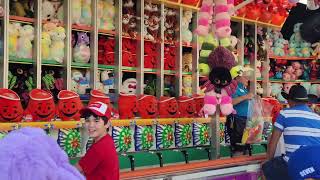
(101, 160)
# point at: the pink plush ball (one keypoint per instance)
(286, 76)
(296, 65)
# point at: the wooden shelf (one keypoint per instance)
(177, 4)
(83, 28)
(20, 60)
(80, 65)
(106, 32)
(248, 21)
(294, 81)
(293, 58)
(105, 67)
(150, 71)
(21, 19)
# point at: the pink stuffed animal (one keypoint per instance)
(205, 18)
(296, 65)
(222, 19)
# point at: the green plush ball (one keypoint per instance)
(204, 69)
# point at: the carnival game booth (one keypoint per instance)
(150, 61)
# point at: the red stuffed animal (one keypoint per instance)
(10, 109)
(199, 103)
(128, 53)
(69, 105)
(150, 55)
(109, 51)
(170, 58)
(186, 107)
(147, 106)
(127, 106)
(168, 107)
(41, 106)
(101, 50)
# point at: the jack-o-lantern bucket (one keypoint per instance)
(10, 106)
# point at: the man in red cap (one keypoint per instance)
(101, 160)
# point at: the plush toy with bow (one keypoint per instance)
(221, 61)
(41, 106)
(11, 109)
(168, 107)
(129, 86)
(81, 52)
(147, 106)
(69, 106)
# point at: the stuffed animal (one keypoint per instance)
(147, 106)
(13, 31)
(76, 11)
(150, 55)
(314, 67)
(45, 45)
(187, 85)
(296, 36)
(306, 49)
(316, 51)
(315, 90)
(109, 51)
(258, 69)
(24, 49)
(11, 109)
(259, 89)
(127, 106)
(106, 81)
(107, 20)
(170, 58)
(293, 48)
(57, 46)
(204, 69)
(170, 24)
(41, 106)
(168, 107)
(186, 33)
(186, 107)
(48, 11)
(205, 18)
(128, 53)
(278, 49)
(69, 106)
(221, 60)
(187, 62)
(276, 89)
(129, 86)
(222, 21)
(81, 52)
(287, 87)
(86, 12)
(307, 86)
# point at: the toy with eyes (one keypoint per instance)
(11, 109)
(221, 61)
(127, 106)
(168, 107)
(69, 105)
(186, 107)
(129, 86)
(147, 106)
(41, 106)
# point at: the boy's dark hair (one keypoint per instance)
(87, 114)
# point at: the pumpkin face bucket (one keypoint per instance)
(43, 109)
(11, 109)
(147, 106)
(172, 107)
(69, 105)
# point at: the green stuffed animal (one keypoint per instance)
(278, 49)
(306, 49)
(293, 48)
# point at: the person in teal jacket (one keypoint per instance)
(236, 123)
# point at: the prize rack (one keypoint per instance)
(192, 143)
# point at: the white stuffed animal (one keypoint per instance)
(129, 86)
(57, 47)
(48, 11)
(186, 33)
(25, 42)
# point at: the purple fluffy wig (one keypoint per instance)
(29, 154)
(221, 57)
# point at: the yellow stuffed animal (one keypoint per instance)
(187, 62)
(316, 51)
(45, 45)
(13, 30)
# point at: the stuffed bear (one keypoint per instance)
(296, 36)
(127, 106)
(278, 49)
(57, 46)
(86, 12)
(187, 62)
(170, 24)
(11, 109)
(24, 49)
(306, 49)
(69, 106)
(168, 107)
(150, 55)
(170, 58)
(109, 51)
(45, 45)
(81, 52)
(106, 13)
(13, 31)
(128, 53)
(48, 11)
(147, 106)
(187, 85)
(186, 107)
(76, 11)
(41, 106)
(101, 50)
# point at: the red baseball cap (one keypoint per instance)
(98, 108)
